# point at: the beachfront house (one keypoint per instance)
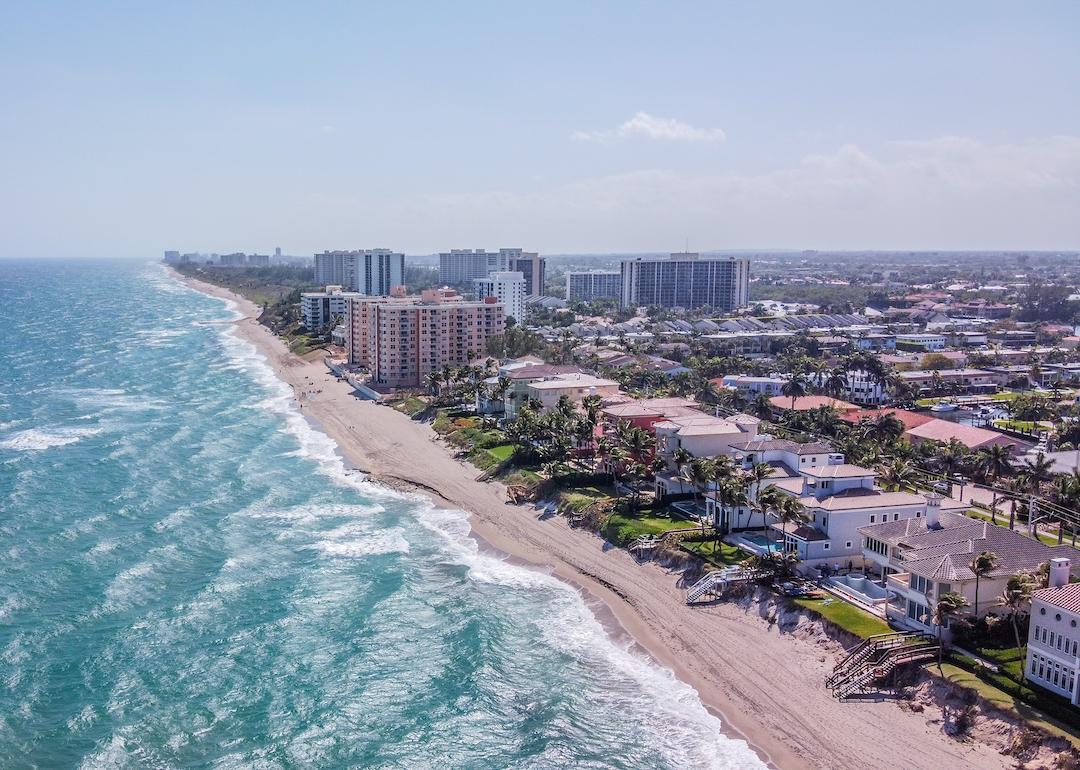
(785, 457)
(575, 386)
(925, 557)
(1053, 640)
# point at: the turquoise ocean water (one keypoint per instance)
(188, 577)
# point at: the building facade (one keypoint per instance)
(401, 340)
(508, 288)
(373, 272)
(686, 281)
(1054, 634)
(319, 308)
(587, 285)
(533, 267)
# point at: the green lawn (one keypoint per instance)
(715, 552)
(1008, 702)
(624, 528)
(1018, 425)
(501, 452)
(846, 616)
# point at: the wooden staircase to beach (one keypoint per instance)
(716, 582)
(875, 658)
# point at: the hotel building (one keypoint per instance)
(400, 340)
(372, 271)
(508, 288)
(585, 286)
(686, 281)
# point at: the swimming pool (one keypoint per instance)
(762, 542)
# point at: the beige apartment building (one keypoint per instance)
(401, 339)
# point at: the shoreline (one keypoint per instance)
(764, 684)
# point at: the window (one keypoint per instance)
(825, 547)
(873, 518)
(848, 544)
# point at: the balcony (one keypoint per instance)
(901, 581)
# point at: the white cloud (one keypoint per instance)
(647, 126)
(944, 193)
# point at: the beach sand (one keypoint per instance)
(766, 685)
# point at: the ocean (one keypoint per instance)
(190, 577)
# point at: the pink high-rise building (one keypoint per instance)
(401, 340)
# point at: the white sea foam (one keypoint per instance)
(38, 439)
(568, 624)
(350, 541)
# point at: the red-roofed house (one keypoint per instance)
(909, 419)
(972, 438)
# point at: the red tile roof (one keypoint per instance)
(910, 419)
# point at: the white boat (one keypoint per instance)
(944, 406)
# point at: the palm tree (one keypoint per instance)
(992, 462)
(755, 476)
(898, 473)
(1037, 470)
(982, 565)
(1016, 595)
(837, 381)
(730, 495)
(795, 387)
(946, 608)
(681, 457)
(886, 428)
(698, 474)
(761, 407)
(790, 511)
(768, 499)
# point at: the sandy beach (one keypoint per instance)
(764, 679)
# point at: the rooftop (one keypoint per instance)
(944, 430)
(843, 471)
(572, 380)
(805, 403)
(909, 419)
(945, 553)
(1066, 597)
(782, 445)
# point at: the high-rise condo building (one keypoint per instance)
(686, 281)
(372, 271)
(460, 267)
(533, 267)
(508, 288)
(236, 259)
(584, 286)
(401, 340)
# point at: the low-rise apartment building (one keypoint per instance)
(921, 341)
(573, 386)
(400, 340)
(751, 387)
(968, 380)
(319, 308)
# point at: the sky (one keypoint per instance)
(563, 127)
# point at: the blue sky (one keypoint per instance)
(565, 127)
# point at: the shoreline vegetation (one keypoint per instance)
(756, 660)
